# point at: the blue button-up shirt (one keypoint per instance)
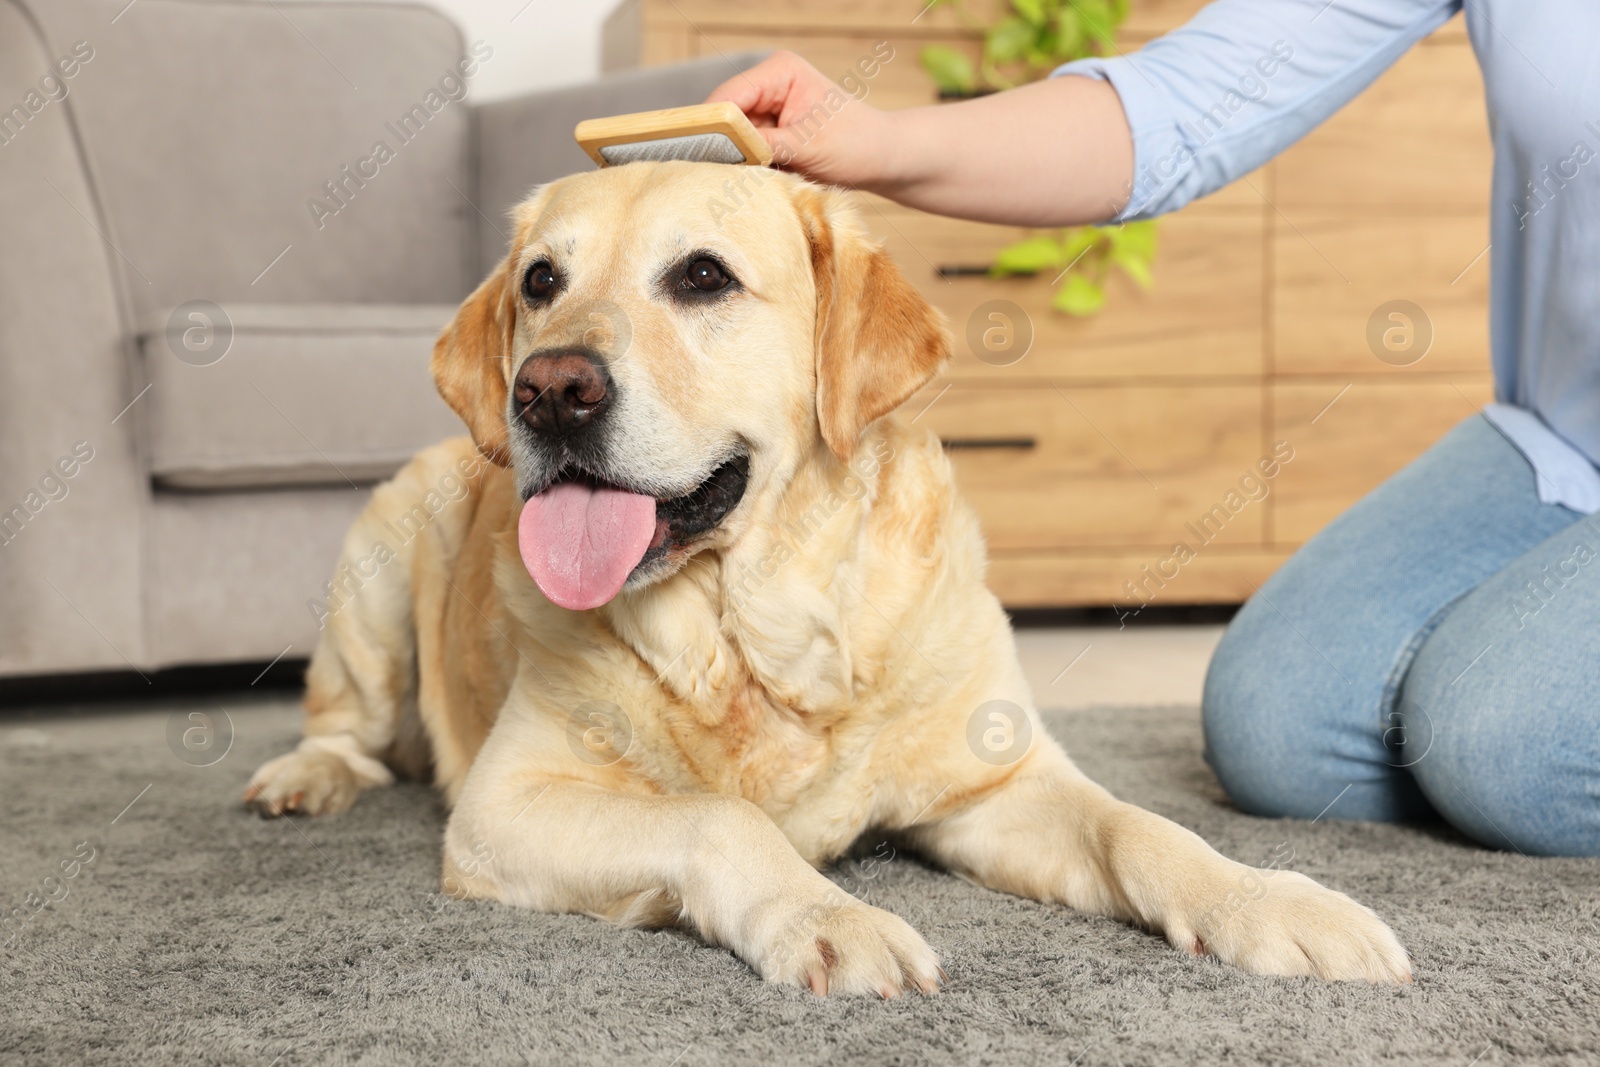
(1299, 61)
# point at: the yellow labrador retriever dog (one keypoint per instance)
(710, 612)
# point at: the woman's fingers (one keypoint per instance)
(812, 125)
(764, 89)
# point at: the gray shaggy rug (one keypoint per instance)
(152, 920)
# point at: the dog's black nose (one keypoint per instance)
(560, 393)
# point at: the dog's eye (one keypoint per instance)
(706, 276)
(539, 284)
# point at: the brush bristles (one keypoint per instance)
(695, 148)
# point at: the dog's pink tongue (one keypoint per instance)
(581, 543)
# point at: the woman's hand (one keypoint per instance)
(812, 124)
(1054, 153)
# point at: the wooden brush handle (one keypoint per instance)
(723, 117)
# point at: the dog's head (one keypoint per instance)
(663, 346)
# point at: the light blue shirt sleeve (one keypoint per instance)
(1245, 79)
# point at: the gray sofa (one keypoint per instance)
(218, 295)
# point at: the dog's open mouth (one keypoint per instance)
(582, 538)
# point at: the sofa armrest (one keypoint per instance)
(527, 140)
(72, 491)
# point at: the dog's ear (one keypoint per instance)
(472, 358)
(878, 341)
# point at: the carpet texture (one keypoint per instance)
(199, 933)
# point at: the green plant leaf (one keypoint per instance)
(1134, 238)
(950, 70)
(1135, 267)
(1079, 295)
(1071, 43)
(1010, 40)
(1098, 19)
(1077, 241)
(1030, 39)
(1032, 10)
(1028, 256)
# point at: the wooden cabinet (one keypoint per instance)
(1351, 433)
(1270, 326)
(1332, 270)
(1193, 323)
(1063, 466)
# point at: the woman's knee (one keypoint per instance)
(1298, 700)
(1504, 743)
(1499, 785)
(1244, 722)
(1285, 737)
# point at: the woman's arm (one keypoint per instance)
(994, 159)
(1132, 136)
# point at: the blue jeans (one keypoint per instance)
(1435, 651)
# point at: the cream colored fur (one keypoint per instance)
(815, 669)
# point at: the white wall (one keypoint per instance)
(537, 44)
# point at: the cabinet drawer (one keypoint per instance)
(1203, 315)
(1371, 430)
(1051, 466)
(785, 17)
(1418, 138)
(1221, 575)
(1146, 18)
(1437, 262)
(899, 81)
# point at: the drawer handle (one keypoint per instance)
(953, 444)
(974, 270)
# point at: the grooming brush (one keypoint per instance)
(701, 133)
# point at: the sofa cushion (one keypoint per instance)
(275, 395)
(244, 151)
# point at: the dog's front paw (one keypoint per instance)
(1284, 923)
(309, 782)
(836, 944)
